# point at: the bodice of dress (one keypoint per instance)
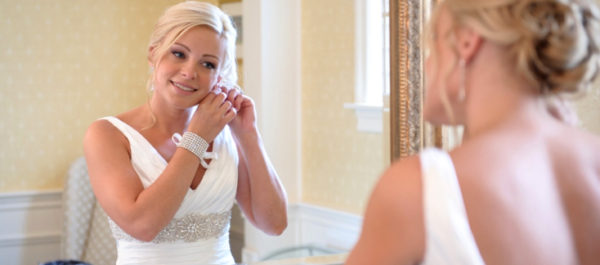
(198, 233)
(449, 239)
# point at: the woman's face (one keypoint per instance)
(190, 68)
(441, 74)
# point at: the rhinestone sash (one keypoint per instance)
(189, 228)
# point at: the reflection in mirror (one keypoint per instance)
(408, 132)
(57, 60)
(340, 161)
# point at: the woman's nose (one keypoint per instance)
(188, 71)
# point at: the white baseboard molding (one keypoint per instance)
(308, 225)
(30, 226)
(327, 227)
(30, 199)
(29, 239)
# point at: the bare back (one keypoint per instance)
(533, 196)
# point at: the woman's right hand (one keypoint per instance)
(211, 116)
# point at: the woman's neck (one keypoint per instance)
(500, 97)
(168, 119)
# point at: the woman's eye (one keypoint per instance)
(178, 54)
(209, 65)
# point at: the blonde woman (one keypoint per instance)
(524, 187)
(168, 172)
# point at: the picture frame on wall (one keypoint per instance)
(234, 10)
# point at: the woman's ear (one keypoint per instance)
(150, 56)
(468, 42)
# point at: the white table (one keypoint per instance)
(315, 260)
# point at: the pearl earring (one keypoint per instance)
(462, 93)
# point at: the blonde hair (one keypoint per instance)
(175, 22)
(180, 18)
(555, 43)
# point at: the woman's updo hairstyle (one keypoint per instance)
(180, 18)
(555, 43)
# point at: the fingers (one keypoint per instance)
(226, 87)
(232, 94)
(224, 106)
(212, 114)
(232, 90)
(235, 97)
(237, 103)
(227, 111)
(220, 98)
(216, 101)
(229, 115)
(226, 99)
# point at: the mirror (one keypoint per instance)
(408, 132)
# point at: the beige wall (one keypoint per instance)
(588, 109)
(340, 165)
(64, 64)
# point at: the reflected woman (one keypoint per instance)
(524, 188)
(168, 197)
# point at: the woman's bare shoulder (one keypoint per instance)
(103, 130)
(103, 137)
(575, 147)
(576, 156)
(400, 183)
(100, 130)
(103, 140)
(393, 228)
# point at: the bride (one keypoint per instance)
(167, 172)
(523, 188)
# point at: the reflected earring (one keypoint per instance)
(462, 93)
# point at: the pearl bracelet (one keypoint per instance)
(193, 143)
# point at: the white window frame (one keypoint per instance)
(370, 67)
(235, 10)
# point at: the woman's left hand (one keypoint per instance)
(245, 120)
(260, 194)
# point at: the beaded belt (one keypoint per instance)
(189, 228)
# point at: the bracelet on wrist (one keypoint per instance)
(191, 142)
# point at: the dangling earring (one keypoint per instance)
(149, 83)
(462, 93)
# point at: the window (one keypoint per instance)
(372, 64)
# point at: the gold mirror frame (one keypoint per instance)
(407, 130)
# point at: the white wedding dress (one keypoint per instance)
(449, 239)
(199, 232)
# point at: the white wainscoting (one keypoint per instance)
(308, 225)
(30, 227)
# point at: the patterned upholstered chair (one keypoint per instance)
(86, 233)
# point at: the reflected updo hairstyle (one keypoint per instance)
(555, 43)
(180, 18)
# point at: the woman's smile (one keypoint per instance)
(184, 88)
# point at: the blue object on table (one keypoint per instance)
(65, 262)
